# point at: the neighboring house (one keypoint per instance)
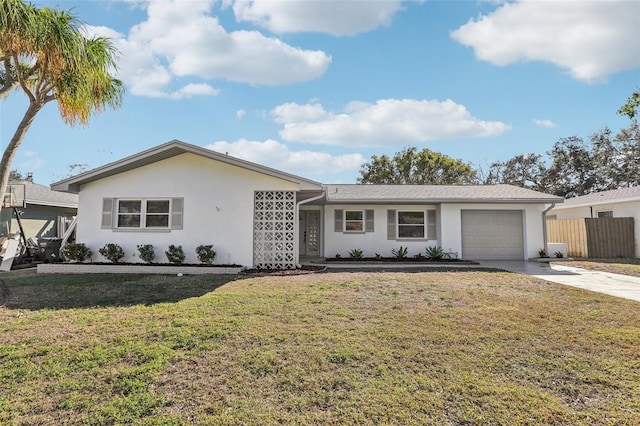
(45, 215)
(253, 215)
(624, 202)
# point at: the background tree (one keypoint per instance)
(44, 53)
(576, 167)
(16, 175)
(630, 108)
(410, 166)
(626, 167)
(527, 171)
(572, 170)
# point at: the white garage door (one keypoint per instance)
(492, 234)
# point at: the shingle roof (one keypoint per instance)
(435, 193)
(43, 195)
(604, 197)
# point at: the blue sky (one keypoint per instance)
(316, 88)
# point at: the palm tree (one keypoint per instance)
(44, 53)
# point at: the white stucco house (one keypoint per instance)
(182, 194)
(624, 202)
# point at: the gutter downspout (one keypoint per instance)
(544, 228)
(296, 243)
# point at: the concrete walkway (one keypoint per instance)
(603, 282)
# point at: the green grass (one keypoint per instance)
(337, 348)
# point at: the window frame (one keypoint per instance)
(399, 225)
(361, 221)
(143, 214)
(605, 214)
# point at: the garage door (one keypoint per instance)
(492, 234)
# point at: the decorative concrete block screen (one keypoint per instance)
(274, 230)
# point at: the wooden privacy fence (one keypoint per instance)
(594, 237)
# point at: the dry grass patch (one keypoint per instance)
(626, 266)
(335, 348)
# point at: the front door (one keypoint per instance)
(309, 235)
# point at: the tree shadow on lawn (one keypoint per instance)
(27, 290)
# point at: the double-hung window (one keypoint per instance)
(354, 221)
(157, 214)
(129, 213)
(142, 213)
(411, 224)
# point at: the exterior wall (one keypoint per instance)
(218, 208)
(451, 225)
(370, 242)
(41, 221)
(37, 221)
(628, 209)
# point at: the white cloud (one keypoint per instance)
(240, 113)
(278, 156)
(192, 89)
(590, 39)
(188, 42)
(388, 122)
(333, 17)
(544, 123)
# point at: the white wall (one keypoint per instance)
(451, 225)
(628, 209)
(370, 242)
(218, 208)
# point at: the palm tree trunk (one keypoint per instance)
(12, 149)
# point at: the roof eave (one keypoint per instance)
(52, 204)
(445, 200)
(599, 203)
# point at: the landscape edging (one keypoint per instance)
(90, 268)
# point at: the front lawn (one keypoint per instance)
(334, 348)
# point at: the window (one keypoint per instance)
(143, 213)
(605, 213)
(411, 225)
(157, 214)
(354, 221)
(129, 213)
(132, 214)
(418, 224)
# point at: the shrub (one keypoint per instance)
(356, 254)
(559, 254)
(76, 251)
(175, 254)
(542, 253)
(113, 252)
(147, 252)
(400, 253)
(205, 253)
(434, 252)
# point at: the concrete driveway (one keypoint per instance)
(603, 282)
